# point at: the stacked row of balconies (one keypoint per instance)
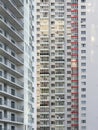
(59, 73)
(74, 65)
(44, 69)
(50, 57)
(11, 64)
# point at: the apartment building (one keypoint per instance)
(61, 65)
(17, 82)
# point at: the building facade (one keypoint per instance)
(17, 82)
(61, 64)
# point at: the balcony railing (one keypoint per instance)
(17, 120)
(9, 53)
(19, 2)
(20, 22)
(8, 92)
(9, 106)
(20, 10)
(8, 66)
(7, 78)
(14, 45)
(8, 24)
(13, 8)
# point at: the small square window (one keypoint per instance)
(12, 79)
(12, 53)
(12, 66)
(83, 7)
(83, 108)
(83, 96)
(12, 127)
(12, 104)
(0, 59)
(0, 86)
(83, 89)
(12, 118)
(83, 0)
(0, 73)
(12, 91)
(83, 121)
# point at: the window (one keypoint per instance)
(83, 96)
(12, 79)
(13, 91)
(83, 77)
(0, 73)
(83, 26)
(83, 64)
(1, 31)
(83, 0)
(83, 7)
(83, 83)
(69, 116)
(83, 13)
(83, 121)
(1, 17)
(12, 127)
(12, 53)
(12, 41)
(12, 104)
(68, 91)
(0, 127)
(0, 114)
(5, 101)
(12, 117)
(83, 57)
(83, 20)
(83, 114)
(0, 86)
(68, 97)
(1, 45)
(83, 51)
(83, 32)
(68, 122)
(5, 113)
(68, 103)
(83, 128)
(12, 66)
(83, 102)
(0, 101)
(83, 108)
(83, 38)
(83, 45)
(12, 28)
(5, 87)
(83, 89)
(0, 59)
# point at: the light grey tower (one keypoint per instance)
(17, 90)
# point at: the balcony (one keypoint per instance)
(7, 105)
(17, 47)
(19, 2)
(8, 93)
(8, 119)
(16, 71)
(11, 5)
(18, 36)
(18, 23)
(7, 79)
(15, 59)
(46, 4)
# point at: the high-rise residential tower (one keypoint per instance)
(17, 71)
(67, 53)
